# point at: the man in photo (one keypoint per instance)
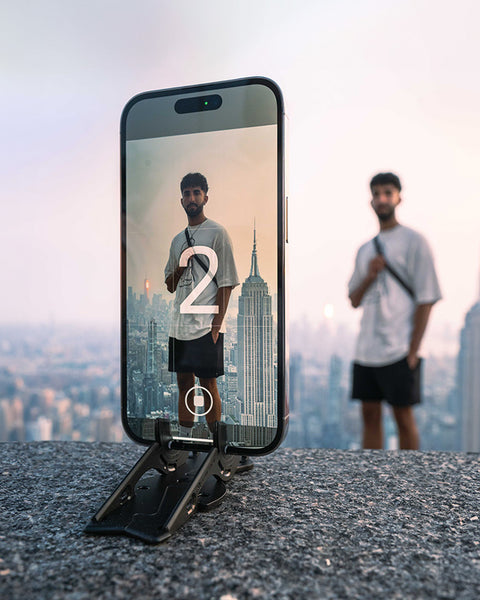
(395, 283)
(201, 272)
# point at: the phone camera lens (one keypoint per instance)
(198, 104)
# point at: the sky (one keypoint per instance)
(369, 86)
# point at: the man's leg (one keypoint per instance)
(408, 436)
(185, 381)
(215, 414)
(372, 425)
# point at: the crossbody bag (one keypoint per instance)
(197, 258)
(391, 270)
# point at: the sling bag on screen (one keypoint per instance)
(197, 258)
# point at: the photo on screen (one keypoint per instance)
(240, 166)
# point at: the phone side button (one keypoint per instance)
(286, 219)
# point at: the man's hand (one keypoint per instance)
(215, 334)
(412, 360)
(222, 298)
(420, 320)
(376, 265)
(172, 280)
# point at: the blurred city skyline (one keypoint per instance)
(63, 383)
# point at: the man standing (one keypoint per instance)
(395, 283)
(202, 273)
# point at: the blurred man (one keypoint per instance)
(395, 283)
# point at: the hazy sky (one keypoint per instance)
(369, 86)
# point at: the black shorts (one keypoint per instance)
(201, 356)
(397, 383)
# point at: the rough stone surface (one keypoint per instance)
(302, 524)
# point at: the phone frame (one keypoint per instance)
(282, 372)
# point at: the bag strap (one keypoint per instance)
(197, 258)
(391, 270)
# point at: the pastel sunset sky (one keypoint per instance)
(369, 86)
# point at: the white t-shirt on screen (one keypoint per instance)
(190, 326)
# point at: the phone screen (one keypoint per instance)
(202, 264)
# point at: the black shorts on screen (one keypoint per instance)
(202, 356)
(397, 384)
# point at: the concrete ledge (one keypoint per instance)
(302, 524)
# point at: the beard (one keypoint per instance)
(193, 210)
(385, 215)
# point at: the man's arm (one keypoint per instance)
(222, 299)
(376, 265)
(420, 321)
(173, 279)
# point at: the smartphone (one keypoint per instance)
(203, 263)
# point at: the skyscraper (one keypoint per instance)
(331, 427)
(296, 392)
(334, 404)
(151, 345)
(146, 289)
(150, 380)
(469, 379)
(255, 349)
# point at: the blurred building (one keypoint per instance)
(469, 380)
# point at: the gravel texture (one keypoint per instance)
(302, 524)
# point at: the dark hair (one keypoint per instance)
(194, 180)
(384, 179)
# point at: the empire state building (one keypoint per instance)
(256, 389)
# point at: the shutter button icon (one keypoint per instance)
(199, 399)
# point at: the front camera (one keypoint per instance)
(198, 104)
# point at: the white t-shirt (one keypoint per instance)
(189, 325)
(388, 309)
